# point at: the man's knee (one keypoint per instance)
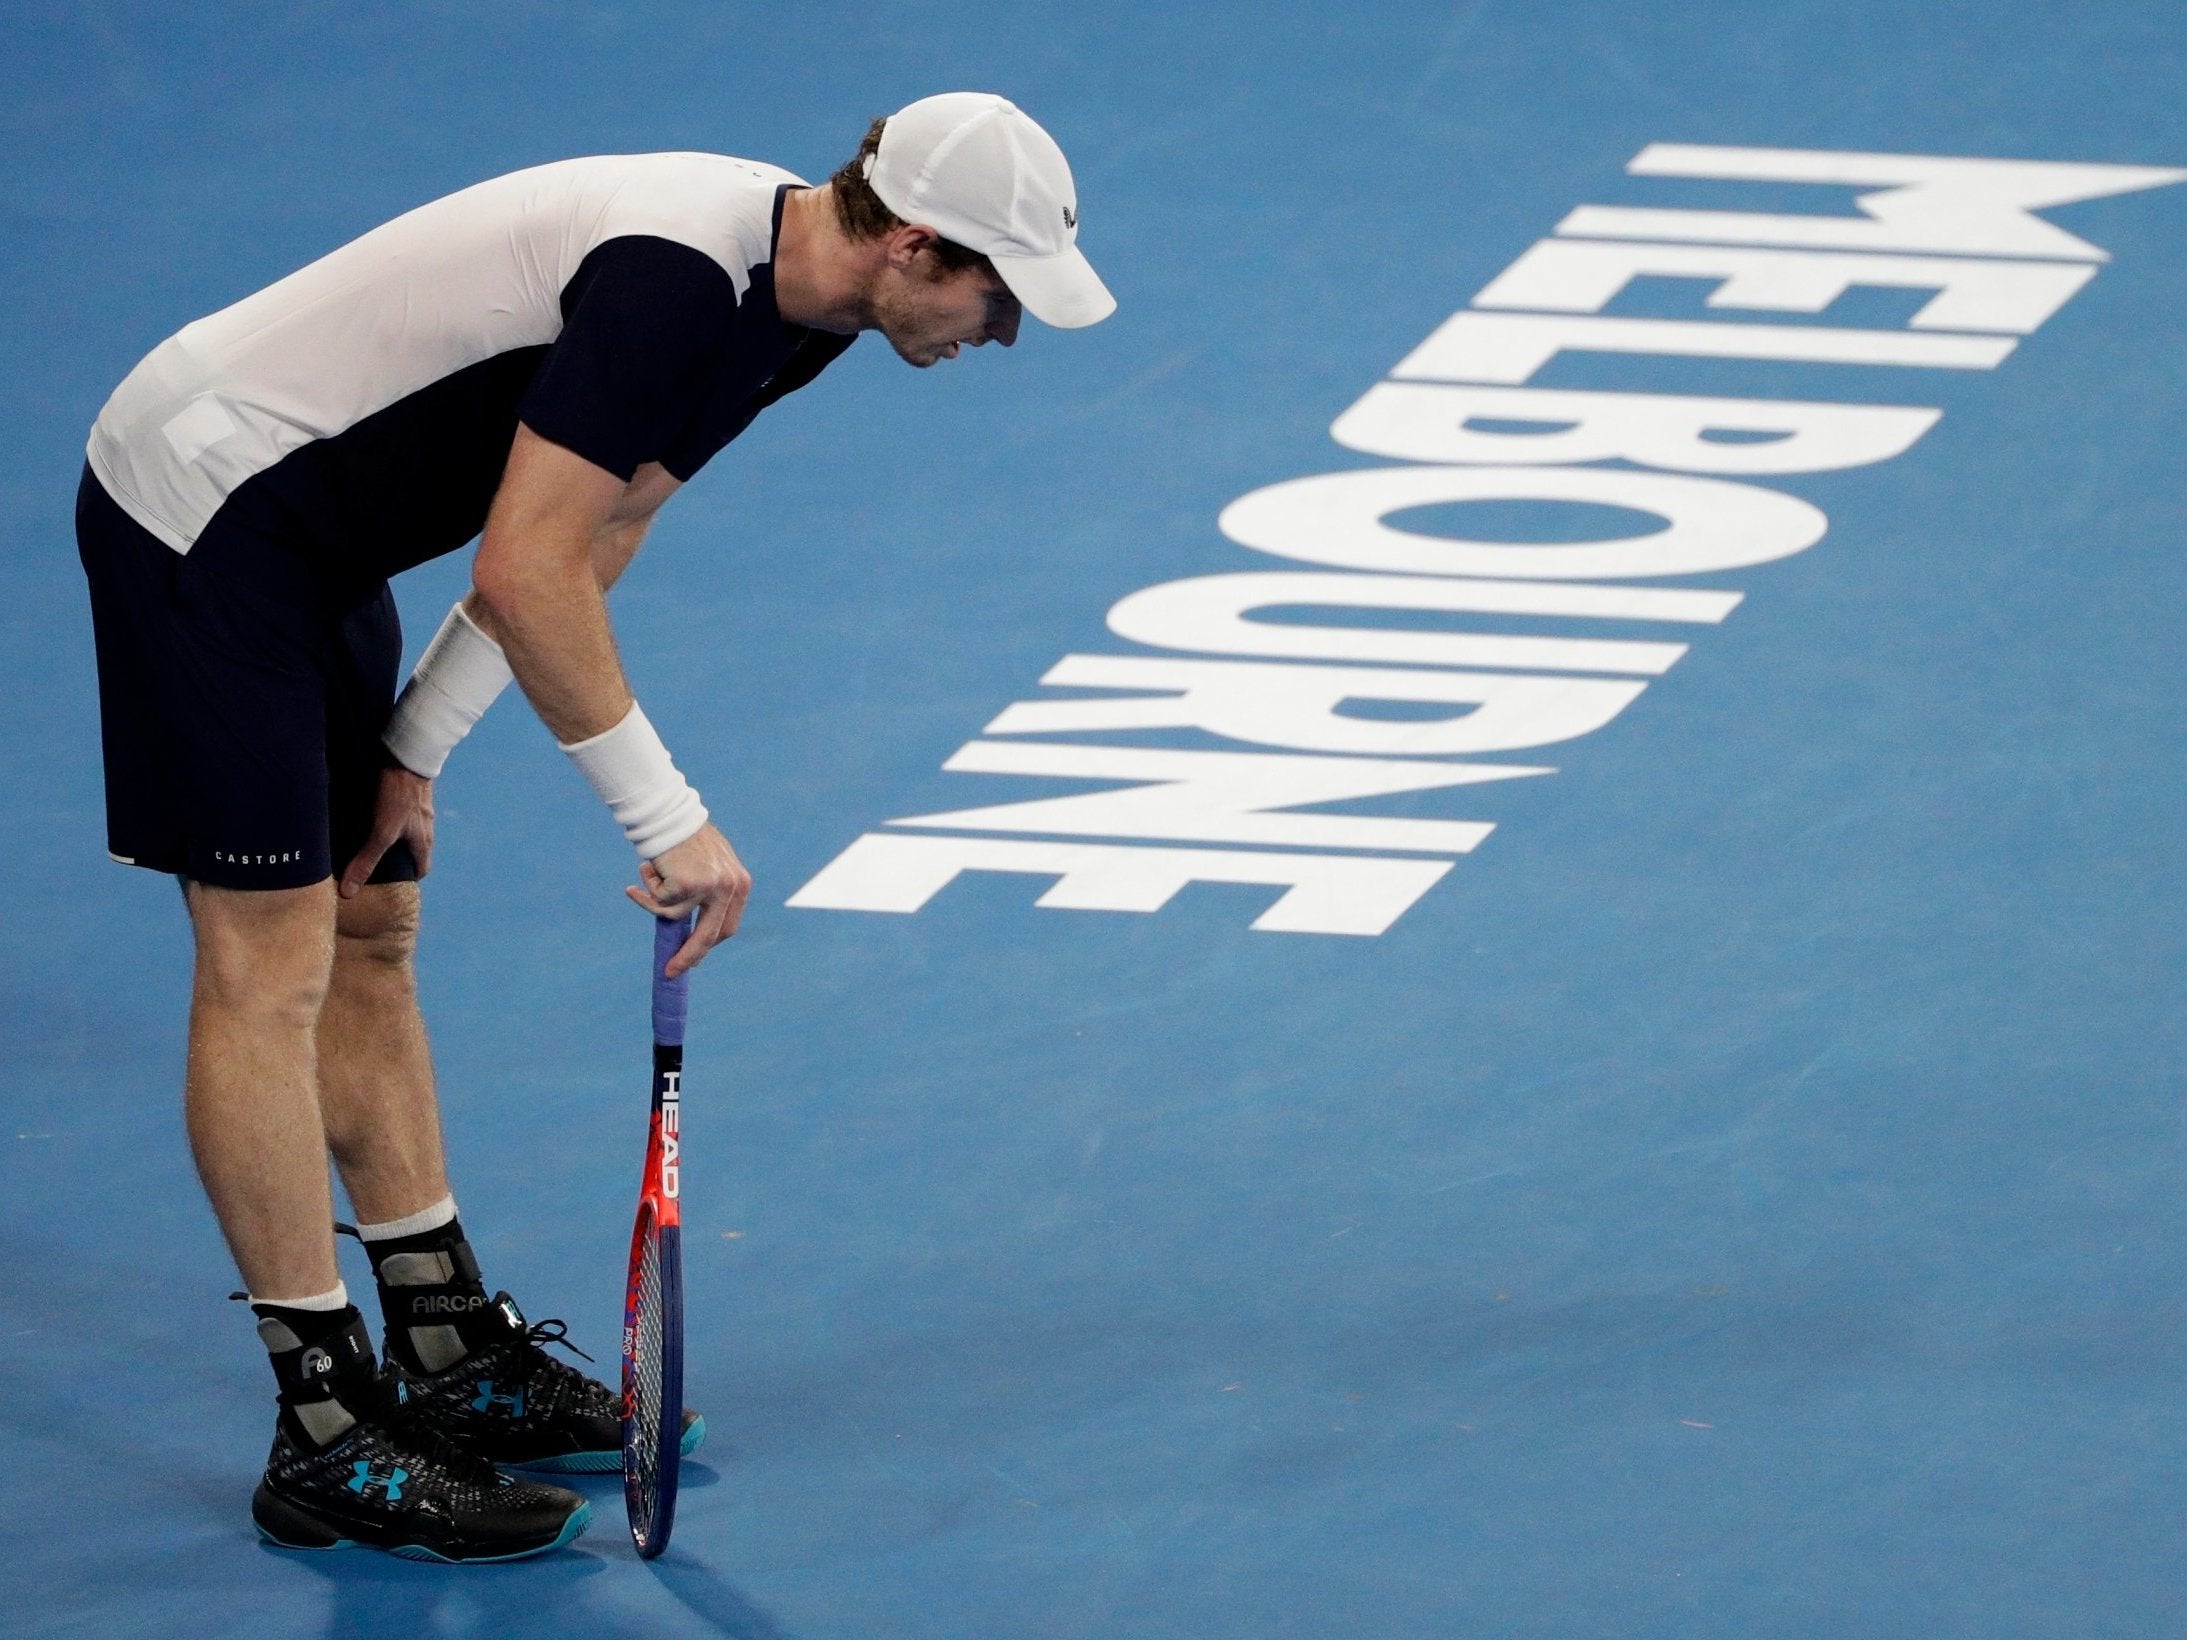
(379, 926)
(264, 952)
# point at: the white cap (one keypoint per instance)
(976, 169)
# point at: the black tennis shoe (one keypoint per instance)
(512, 1403)
(393, 1482)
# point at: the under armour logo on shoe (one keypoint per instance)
(365, 1476)
(506, 1406)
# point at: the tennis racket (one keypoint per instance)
(653, 1300)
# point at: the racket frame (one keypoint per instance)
(659, 1220)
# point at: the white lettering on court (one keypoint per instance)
(1267, 660)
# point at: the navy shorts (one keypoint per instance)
(241, 700)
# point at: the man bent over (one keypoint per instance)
(539, 362)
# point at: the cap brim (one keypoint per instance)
(1061, 290)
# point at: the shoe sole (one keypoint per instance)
(572, 1529)
(601, 1463)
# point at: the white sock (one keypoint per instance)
(425, 1218)
(335, 1297)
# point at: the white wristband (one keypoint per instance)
(461, 673)
(638, 781)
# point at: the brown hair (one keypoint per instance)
(862, 215)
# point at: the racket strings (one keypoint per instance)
(646, 1381)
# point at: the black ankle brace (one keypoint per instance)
(429, 1295)
(322, 1361)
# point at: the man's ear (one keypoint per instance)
(906, 241)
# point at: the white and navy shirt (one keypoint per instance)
(622, 307)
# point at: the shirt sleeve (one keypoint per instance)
(644, 324)
(705, 438)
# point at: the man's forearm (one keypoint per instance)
(560, 648)
(460, 675)
(551, 620)
(563, 610)
(560, 530)
(553, 539)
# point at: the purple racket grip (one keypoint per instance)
(671, 997)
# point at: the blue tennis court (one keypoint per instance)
(1666, 1120)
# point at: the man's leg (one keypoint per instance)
(383, 1128)
(252, 1088)
(375, 1069)
(251, 1102)
(251, 1096)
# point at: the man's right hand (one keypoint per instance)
(702, 871)
(402, 812)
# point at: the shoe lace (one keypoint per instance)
(553, 1330)
(407, 1422)
(558, 1378)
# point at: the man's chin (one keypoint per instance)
(917, 361)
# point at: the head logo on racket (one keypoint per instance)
(671, 1136)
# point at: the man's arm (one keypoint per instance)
(562, 530)
(535, 592)
(557, 522)
(452, 689)
(646, 493)
(555, 515)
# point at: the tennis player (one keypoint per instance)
(537, 362)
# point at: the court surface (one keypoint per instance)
(1741, 1196)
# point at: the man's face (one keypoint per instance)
(928, 312)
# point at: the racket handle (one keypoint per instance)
(671, 997)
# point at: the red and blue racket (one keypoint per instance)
(653, 1301)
